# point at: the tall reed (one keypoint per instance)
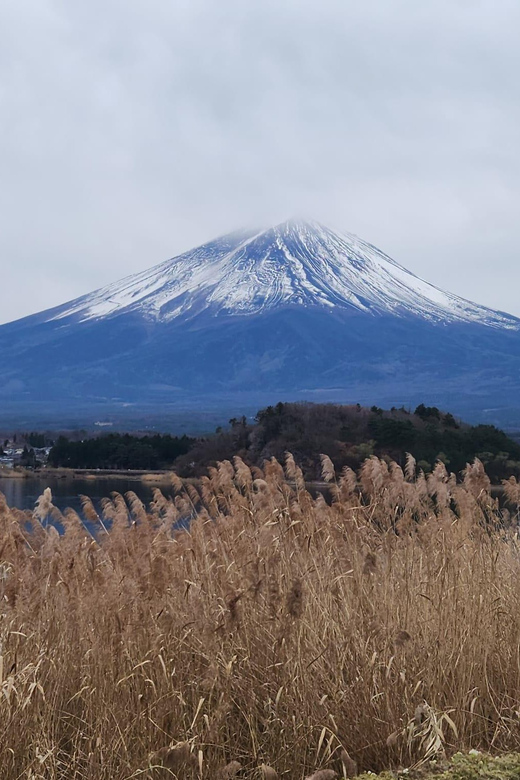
(278, 635)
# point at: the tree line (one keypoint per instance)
(120, 451)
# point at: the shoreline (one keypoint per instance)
(71, 474)
(161, 476)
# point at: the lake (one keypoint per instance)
(23, 493)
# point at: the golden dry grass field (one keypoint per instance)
(277, 636)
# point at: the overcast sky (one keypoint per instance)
(132, 130)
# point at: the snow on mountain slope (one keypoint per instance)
(295, 263)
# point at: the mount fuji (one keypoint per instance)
(297, 311)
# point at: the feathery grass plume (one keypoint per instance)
(319, 502)
(323, 774)
(372, 476)
(108, 509)
(348, 489)
(121, 515)
(294, 472)
(243, 475)
(512, 490)
(44, 505)
(421, 487)
(257, 472)
(136, 506)
(327, 468)
(88, 509)
(440, 471)
(184, 506)
(73, 525)
(410, 470)
(193, 494)
(349, 479)
(396, 476)
(438, 484)
(274, 473)
(260, 485)
(226, 474)
(159, 502)
(209, 496)
(476, 481)
(163, 508)
(290, 466)
(176, 482)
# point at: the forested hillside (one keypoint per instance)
(348, 434)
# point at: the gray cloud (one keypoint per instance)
(133, 130)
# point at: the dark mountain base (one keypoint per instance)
(195, 376)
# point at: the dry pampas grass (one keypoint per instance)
(278, 635)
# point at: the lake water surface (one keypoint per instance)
(23, 493)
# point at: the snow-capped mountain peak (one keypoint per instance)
(296, 312)
(296, 263)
